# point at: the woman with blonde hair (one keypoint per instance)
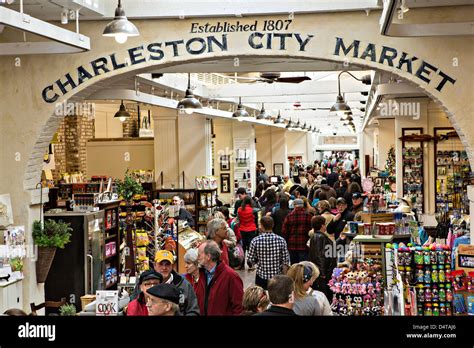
(255, 300)
(308, 301)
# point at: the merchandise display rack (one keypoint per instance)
(412, 157)
(112, 243)
(452, 172)
(206, 202)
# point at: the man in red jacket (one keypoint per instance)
(295, 231)
(219, 289)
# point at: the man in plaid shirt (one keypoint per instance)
(269, 252)
(295, 231)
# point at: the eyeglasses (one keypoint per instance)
(150, 284)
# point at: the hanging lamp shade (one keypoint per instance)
(189, 104)
(263, 114)
(122, 114)
(340, 107)
(279, 120)
(120, 28)
(290, 125)
(240, 113)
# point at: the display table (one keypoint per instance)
(11, 294)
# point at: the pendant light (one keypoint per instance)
(341, 107)
(122, 114)
(279, 120)
(290, 125)
(120, 28)
(297, 125)
(240, 113)
(263, 114)
(189, 104)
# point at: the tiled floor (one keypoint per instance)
(247, 277)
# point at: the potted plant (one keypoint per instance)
(53, 235)
(67, 310)
(128, 188)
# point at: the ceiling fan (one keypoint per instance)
(271, 77)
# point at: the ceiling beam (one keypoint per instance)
(71, 41)
(285, 89)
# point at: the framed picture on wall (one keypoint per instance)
(225, 183)
(225, 162)
(278, 169)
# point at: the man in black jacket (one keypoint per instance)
(322, 252)
(281, 293)
(336, 226)
(333, 177)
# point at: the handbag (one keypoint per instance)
(236, 255)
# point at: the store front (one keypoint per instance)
(33, 85)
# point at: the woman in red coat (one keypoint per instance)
(147, 279)
(248, 229)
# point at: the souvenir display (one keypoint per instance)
(428, 270)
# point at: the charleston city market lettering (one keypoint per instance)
(258, 41)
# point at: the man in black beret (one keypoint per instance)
(163, 300)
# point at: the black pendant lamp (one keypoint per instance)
(120, 28)
(122, 114)
(263, 114)
(279, 120)
(240, 113)
(189, 104)
(290, 125)
(341, 107)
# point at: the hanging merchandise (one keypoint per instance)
(427, 270)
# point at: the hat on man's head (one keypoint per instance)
(298, 203)
(163, 255)
(241, 191)
(341, 200)
(150, 274)
(165, 291)
(356, 195)
(324, 181)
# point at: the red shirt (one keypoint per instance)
(295, 229)
(191, 281)
(137, 308)
(246, 219)
(223, 295)
(225, 253)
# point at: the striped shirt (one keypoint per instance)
(270, 253)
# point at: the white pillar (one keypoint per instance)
(166, 147)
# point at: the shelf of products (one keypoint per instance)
(359, 289)
(425, 273)
(412, 158)
(207, 201)
(452, 173)
(112, 240)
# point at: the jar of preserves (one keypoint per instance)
(427, 275)
(433, 258)
(426, 257)
(428, 310)
(419, 275)
(441, 257)
(441, 274)
(435, 294)
(442, 293)
(435, 309)
(434, 274)
(442, 309)
(428, 294)
(421, 294)
(449, 293)
(418, 257)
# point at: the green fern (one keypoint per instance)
(53, 234)
(129, 187)
(67, 310)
